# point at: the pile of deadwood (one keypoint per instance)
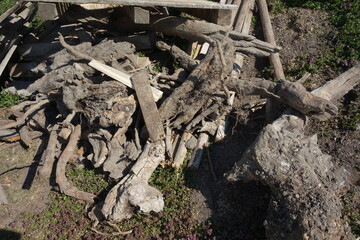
(96, 100)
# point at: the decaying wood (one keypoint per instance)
(23, 118)
(148, 107)
(61, 179)
(305, 183)
(133, 191)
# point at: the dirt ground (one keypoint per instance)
(236, 210)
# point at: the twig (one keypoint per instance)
(221, 53)
(22, 119)
(73, 50)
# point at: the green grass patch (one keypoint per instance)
(8, 99)
(6, 4)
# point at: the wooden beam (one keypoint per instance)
(148, 106)
(138, 15)
(219, 16)
(149, 3)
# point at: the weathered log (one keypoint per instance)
(193, 30)
(291, 93)
(133, 191)
(61, 179)
(305, 184)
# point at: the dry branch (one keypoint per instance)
(61, 179)
(22, 119)
(48, 156)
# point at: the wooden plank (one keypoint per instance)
(148, 3)
(7, 58)
(121, 77)
(148, 106)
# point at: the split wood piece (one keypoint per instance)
(179, 55)
(133, 191)
(25, 135)
(243, 12)
(214, 108)
(3, 197)
(148, 106)
(168, 141)
(61, 179)
(245, 22)
(304, 78)
(235, 13)
(23, 118)
(48, 157)
(197, 154)
(248, 19)
(109, 71)
(299, 174)
(181, 151)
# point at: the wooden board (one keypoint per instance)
(148, 106)
(149, 3)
